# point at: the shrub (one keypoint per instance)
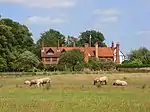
(71, 61)
(93, 64)
(27, 61)
(135, 63)
(41, 66)
(107, 65)
(51, 67)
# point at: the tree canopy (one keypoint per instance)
(138, 57)
(95, 36)
(27, 61)
(142, 54)
(71, 60)
(14, 40)
(51, 37)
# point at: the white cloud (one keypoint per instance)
(107, 12)
(143, 32)
(109, 19)
(110, 15)
(44, 20)
(43, 3)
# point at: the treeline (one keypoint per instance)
(138, 58)
(18, 52)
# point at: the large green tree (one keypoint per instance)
(142, 54)
(27, 61)
(22, 39)
(71, 60)
(14, 40)
(95, 36)
(138, 57)
(51, 37)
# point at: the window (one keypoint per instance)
(54, 59)
(102, 59)
(109, 59)
(94, 53)
(48, 59)
(50, 52)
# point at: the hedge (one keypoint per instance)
(132, 66)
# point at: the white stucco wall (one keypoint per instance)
(122, 58)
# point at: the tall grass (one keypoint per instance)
(76, 93)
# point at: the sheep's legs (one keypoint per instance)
(94, 82)
(38, 84)
(105, 82)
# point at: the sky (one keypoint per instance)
(123, 21)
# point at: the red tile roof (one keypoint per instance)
(102, 51)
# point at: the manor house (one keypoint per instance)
(50, 55)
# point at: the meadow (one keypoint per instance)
(76, 93)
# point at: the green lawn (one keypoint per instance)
(76, 93)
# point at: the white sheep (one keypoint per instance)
(101, 80)
(43, 81)
(38, 82)
(30, 82)
(120, 83)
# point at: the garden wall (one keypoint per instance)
(134, 69)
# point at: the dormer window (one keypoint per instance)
(50, 52)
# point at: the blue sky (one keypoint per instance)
(123, 21)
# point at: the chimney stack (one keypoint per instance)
(86, 57)
(96, 50)
(74, 44)
(117, 53)
(62, 45)
(57, 44)
(42, 51)
(112, 45)
(86, 45)
(42, 44)
(42, 47)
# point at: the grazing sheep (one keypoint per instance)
(120, 83)
(101, 80)
(43, 81)
(30, 82)
(38, 82)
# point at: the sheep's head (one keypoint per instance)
(95, 81)
(114, 83)
(27, 82)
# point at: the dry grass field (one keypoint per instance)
(76, 93)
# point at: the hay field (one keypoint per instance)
(76, 93)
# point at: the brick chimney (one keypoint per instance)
(96, 50)
(74, 44)
(43, 51)
(117, 53)
(112, 45)
(57, 44)
(42, 47)
(62, 45)
(86, 57)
